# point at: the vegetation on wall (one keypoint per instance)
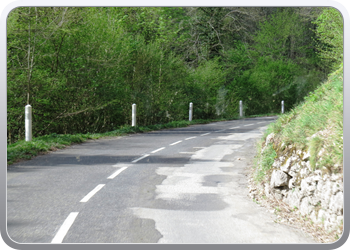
(315, 125)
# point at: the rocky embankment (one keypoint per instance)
(314, 195)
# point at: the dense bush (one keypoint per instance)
(81, 69)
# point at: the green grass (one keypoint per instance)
(322, 110)
(266, 161)
(316, 145)
(23, 150)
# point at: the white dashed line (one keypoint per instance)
(189, 138)
(175, 143)
(118, 165)
(159, 149)
(117, 172)
(234, 127)
(64, 228)
(140, 158)
(62, 232)
(205, 134)
(94, 191)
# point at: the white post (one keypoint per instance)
(28, 123)
(133, 116)
(240, 109)
(282, 107)
(190, 112)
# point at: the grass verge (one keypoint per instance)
(315, 126)
(23, 150)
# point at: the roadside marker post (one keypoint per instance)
(28, 123)
(240, 109)
(282, 104)
(133, 115)
(190, 112)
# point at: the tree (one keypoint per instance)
(82, 68)
(31, 32)
(329, 31)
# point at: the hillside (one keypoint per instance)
(299, 165)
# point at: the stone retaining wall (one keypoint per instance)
(316, 194)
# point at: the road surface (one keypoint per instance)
(185, 185)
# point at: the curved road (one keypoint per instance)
(185, 185)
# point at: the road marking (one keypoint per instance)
(117, 172)
(175, 143)
(189, 138)
(260, 122)
(199, 147)
(94, 191)
(249, 124)
(140, 158)
(189, 153)
(118, 165)
(205, 134)
(159, 149)
(64, 228)
(235, 127)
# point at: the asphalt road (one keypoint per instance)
(185, 185)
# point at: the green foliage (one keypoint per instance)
(316, 144)
(207, 25)
(322, 110)
(85, 80)
(271, 82)
(208, 90)
(284, 64)
(82, 68)
(281, 36)
(265, 164)
(329, 31)
(316, 126)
